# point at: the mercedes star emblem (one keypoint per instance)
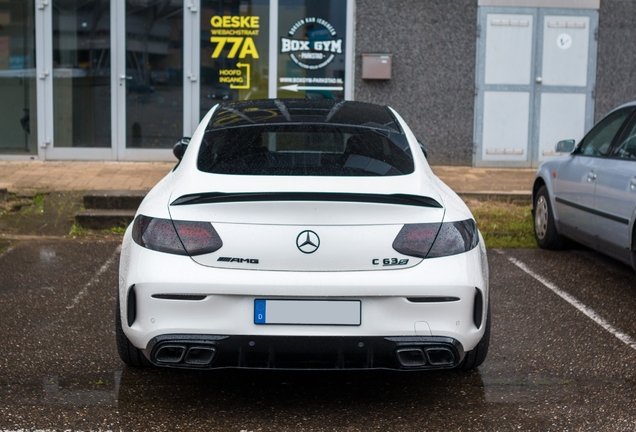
(307, 242)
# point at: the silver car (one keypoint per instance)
(590, 195)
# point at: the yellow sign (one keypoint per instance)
(247, 43)
(237, 31)
(235, 77)
(235, 21)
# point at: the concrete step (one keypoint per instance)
(114, 199)
(98, 219)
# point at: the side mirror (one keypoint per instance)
(565, 146)
(423, 148)
(180, 147)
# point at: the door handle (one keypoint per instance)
(632, 184)
(539, 80)
(125, 77)
(591, 176)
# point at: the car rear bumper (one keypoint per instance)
(441, 298)
(190, 351)
(458, 315)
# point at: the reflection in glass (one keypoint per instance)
(234, 51)
(17, 78)
(154, 73)
(81, 73)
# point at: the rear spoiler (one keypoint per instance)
(220, 197)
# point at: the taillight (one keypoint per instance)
(434, 240)
(416, 239)
(198, 238)
(176, 237)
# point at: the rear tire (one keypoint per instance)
(545, 231)
(129, 354)
(477, 355)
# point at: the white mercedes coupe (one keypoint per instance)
(303, 234)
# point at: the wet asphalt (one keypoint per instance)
(550, 368)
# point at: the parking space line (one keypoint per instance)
(625, 338)
(95, 278)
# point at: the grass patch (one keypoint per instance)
(504, 225)
(115, 230)
(38, 203)
(77, 230)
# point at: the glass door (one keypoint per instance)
(254, 49)
(150, 78)
(74, 74)
(234, 48)
(18, 129)
(313, 49)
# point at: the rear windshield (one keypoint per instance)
(305, 150)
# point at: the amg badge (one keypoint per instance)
(238, 260)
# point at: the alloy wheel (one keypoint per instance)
(541, 217)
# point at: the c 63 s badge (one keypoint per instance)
(388, 262)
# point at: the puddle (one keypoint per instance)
(90, 390)
(47, 255)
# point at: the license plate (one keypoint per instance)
(308, 312)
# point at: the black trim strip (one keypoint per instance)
(219, 197)
(593, 211)
(190, 297)
(431, 299)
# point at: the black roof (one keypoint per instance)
(285, 111)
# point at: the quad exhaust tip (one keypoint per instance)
(200, 355)
(440, 356)
(195, 355)
(172, 354)
(413, 357)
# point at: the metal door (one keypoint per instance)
(534, 82)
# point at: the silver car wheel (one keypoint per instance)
(541, 215)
